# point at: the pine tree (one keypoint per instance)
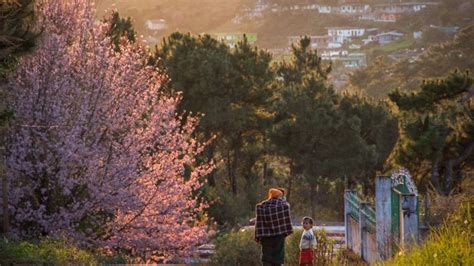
(18, 34)
(229, 87)
(120, 28)
(437, 130)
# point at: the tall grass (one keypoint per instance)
(451, 244)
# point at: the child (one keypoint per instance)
(307, 243)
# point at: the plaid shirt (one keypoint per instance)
(273, 218)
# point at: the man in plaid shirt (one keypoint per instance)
(272, 225)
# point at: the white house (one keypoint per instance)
(388, 37)
(156, 24)
(324, 9)
(354, 8)
(403, 7)
(417, 35)
(341, 34)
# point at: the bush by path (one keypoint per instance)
(51, 251)
(46, 251)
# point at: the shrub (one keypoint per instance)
(449, 245)
(237, 248)
(46, 251)
(292, 248)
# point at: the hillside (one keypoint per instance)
(273, 28)
(194, 16)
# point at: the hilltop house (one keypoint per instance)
(156, 24)
(388, 37)
(354, 8)
(324, 9)
(450, 30)
(402, 7)
(348, 60)
(342, 34)
(386, 17)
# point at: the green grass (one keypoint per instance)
(45, 251)
(52, 251)
(452, 244)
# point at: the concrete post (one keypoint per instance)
(383, 216)
(409, 220)
(362, 230)
(347, 209)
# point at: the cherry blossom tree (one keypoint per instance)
(97, 152)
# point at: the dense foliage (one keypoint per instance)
(326, 135)
(437, 128)
(46, 251)
(17, 33)
(274, 124)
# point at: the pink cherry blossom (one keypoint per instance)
(97, 151)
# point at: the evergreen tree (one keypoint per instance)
(327, 136)
(18, 35)
(120, 28)
(378, 129)
(230, 87)
(17, 31)
(437, 130)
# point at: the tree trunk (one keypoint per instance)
(229, 167)
(450, 164)
(6, 218)
(435, 174)
(209, 156)
(311, 199)
(265, 169)
(290, 185)
(448, 176)
(6, 224)
(235, 164)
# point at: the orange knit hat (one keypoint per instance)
(274, 193)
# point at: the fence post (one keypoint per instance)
(409, 220)
(347, 209)
(363, 230)
(383, 216)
